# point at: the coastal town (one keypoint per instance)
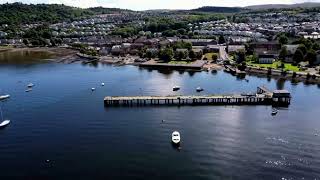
(279, 43)
(192, 89)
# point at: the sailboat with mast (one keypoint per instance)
(3, 123)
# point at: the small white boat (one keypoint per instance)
(102, 84)
(274, 112)
(93, 89)
(175, 137)
(4, 123)
(30, 85)
(176, 88)
(199, 89)
(28, 90)
(4, 97)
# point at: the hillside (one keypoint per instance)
(216, 9)
(18, 13)
(283, 6)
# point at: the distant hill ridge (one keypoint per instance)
(217, 9)
(281, 6)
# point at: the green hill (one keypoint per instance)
(18, 13)
(216, 9)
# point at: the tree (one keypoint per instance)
(25, 41)
(221, 40)
(242, 66)
(249, 49)
(283, 39)
(166, 54)
(255, 58)
(182, 45)
(181, 55)
(240, 56)
(316, 46)
(298, 56)
(192, 55)
(283, 53)
(53, 42)
(182, 31)
(214, 57)
(149, 54)
(169, 33)
(58, 41)
(311, 57)
(303, 49)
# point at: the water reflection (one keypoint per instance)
(191, 73)
(23, 56)
(280, 83)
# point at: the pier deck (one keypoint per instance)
(186, 100)
(263, 97)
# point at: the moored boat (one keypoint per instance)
(176, 88)
(30, 85)
(199, 89)
(175, 137)
(3, 97)
(274, 112)
(28, 90)
(4, 124)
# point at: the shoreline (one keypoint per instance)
(277, 74)
(68, 56)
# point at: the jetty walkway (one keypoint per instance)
(262, 97)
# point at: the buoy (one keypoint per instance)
(47, 160)
(92, 89)
(102, 84)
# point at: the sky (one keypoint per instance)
(157, 4)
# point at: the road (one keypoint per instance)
(223, 54)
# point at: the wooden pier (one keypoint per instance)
(263, 97)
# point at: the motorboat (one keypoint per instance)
(175, 137)
(93, 89)
(176, 88)
(4, 123)
(199, 89)
(274, 112)
(28, 90)
(30, 85)
(3, 97)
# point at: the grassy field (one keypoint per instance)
(209, 55)
(276, 65)
(180, 62)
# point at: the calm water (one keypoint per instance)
(62, 121)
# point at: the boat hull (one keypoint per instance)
(175, 137)
(4, 124)
(4, 97)
(175, 88)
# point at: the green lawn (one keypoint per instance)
(276, 65)
(209, 55)
(180, 62)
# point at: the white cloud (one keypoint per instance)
(158, 4)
